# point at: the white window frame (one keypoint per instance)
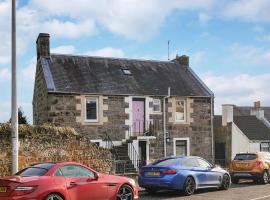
(159, 111)
(174, 145)
(185, 111)
(97, 109)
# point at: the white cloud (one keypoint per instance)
(132, 19)
(264, 38)
(5, 74)
(250, 54)
(197, 57)
(5, 111)
(204, 18)
(69, 29)
(240, 89)
(107, 52)
(251, 10)
(66, 49)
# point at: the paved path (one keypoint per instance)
(242, 191)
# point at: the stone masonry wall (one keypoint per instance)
(63, 111)
(40, 99)
(46, 143)
(198, 131)
(223, 134)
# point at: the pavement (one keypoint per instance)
(242, 191)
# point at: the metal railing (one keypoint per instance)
(109, 145)
(134, 156)
(144, 128)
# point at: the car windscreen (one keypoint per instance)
(167, 162)
(32, 171)
(47, 166)
(245, 157)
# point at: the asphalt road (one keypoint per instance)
(242, 191)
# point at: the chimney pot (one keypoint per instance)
(43, 45)
(257, 104)
(182, 60)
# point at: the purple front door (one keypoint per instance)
(138, 116)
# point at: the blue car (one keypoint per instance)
(187, 173)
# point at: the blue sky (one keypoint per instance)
(228, 41)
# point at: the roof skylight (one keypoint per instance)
(126, 71)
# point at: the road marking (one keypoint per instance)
(260, 197)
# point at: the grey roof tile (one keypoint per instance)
(98, 75)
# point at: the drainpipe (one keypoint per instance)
(212, 129)
(164, 120)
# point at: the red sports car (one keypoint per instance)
(66, 181)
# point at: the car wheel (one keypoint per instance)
(235, 180)
(189, 186)
(125, 193)
(265, 177)
(54, 197)
(151, 190)
(226, 182)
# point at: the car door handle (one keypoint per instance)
(73, 183)
(111, 184)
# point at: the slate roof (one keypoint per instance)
(100, 75)
(245, 110)
(252, 127)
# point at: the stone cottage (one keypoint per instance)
(141, 109)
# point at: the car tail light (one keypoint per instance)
(258, 162)
(23, 190)
(169, 171)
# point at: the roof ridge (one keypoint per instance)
(114, 58)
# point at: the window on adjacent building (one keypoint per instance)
(265, 146)
(91, 109)
(180, 111)
(156, 105)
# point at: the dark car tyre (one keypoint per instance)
(189, 186)
(235, 180)
(54, 197)
(265, 177)
(125, 193)
(226, 182)
(151, 190)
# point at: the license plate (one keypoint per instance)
(3, 189)
(153, 173)
(242, 164)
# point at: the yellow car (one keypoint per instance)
(253, 166)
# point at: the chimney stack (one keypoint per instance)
(43, 45)
(227, 114)
(182, 60)
(257, 110)
(257, 104)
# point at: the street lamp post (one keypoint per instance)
(14, 107)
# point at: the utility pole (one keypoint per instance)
(14, 107)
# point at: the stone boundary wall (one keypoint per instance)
(48, 143)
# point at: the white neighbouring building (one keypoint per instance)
(240, 129)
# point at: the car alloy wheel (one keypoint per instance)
(54, 197)
(226, 182)
(265, 177)
(190, 186)
(125, 193)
